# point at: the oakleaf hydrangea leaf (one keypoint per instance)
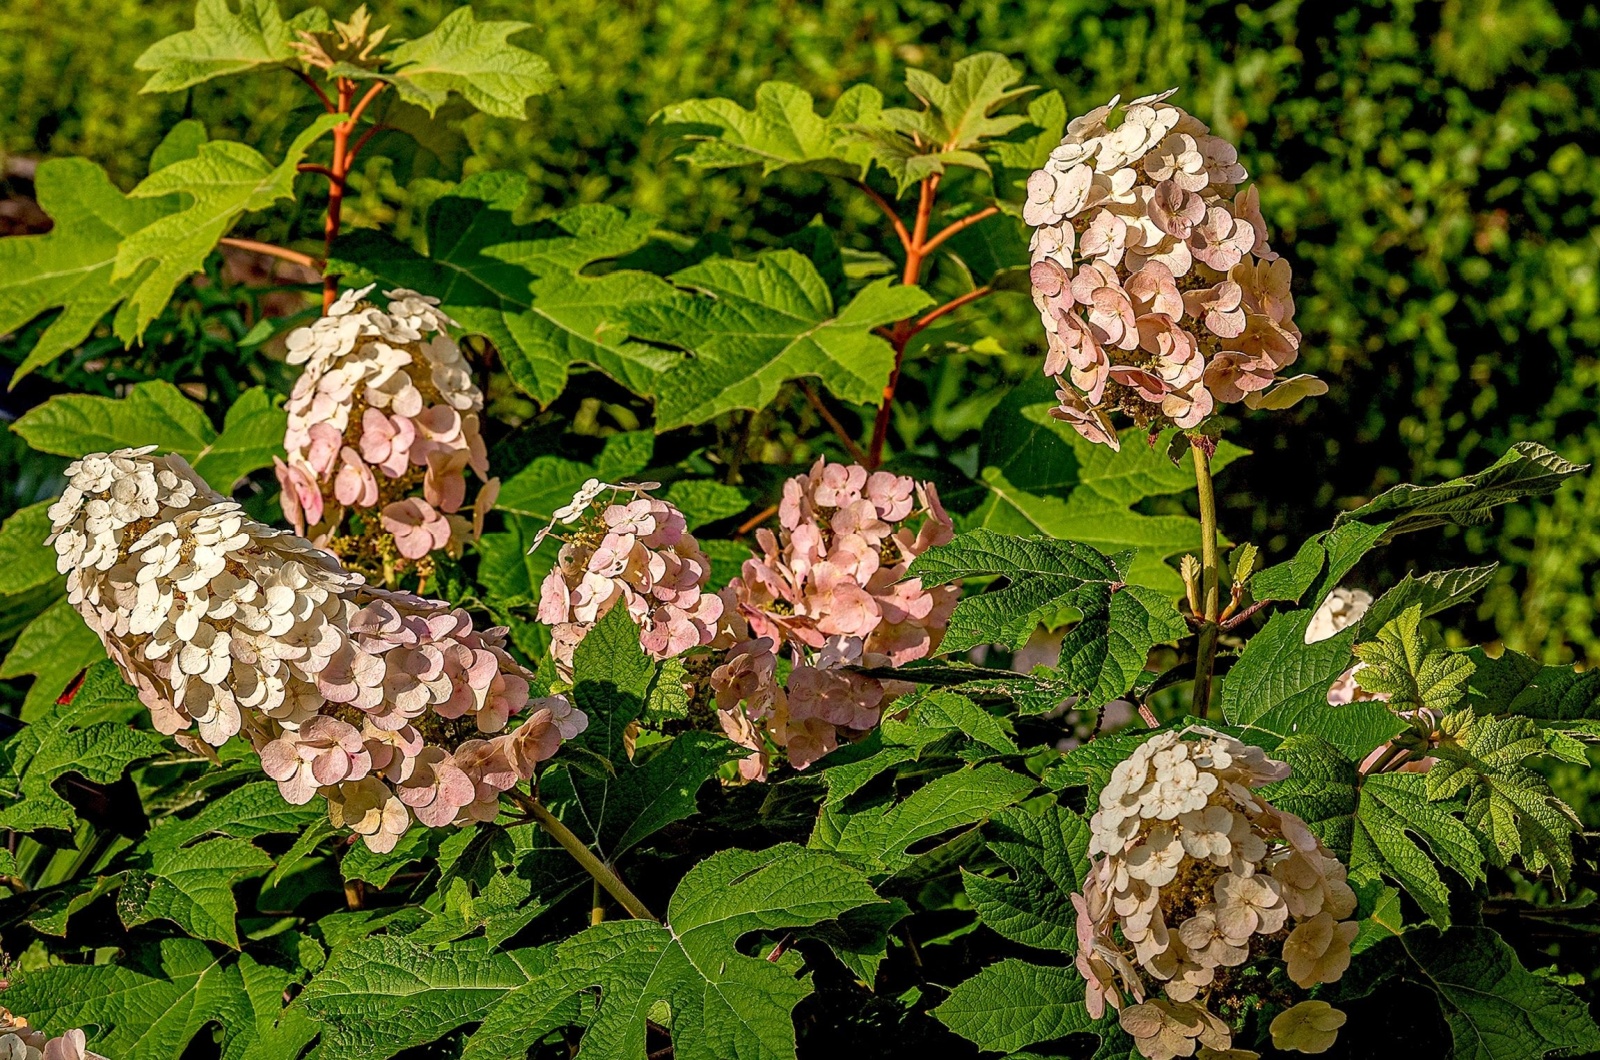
(54, 646)
(526, 286)
(1496, 1009)
(71, 265)
(782, 129)
(24, 562)
(753, 325)
(193, 887)
(1014, 1004)
(1513, 683)
(220, 183)
(1103, 654)
(1414, 676)
(1508, 803)
(688, 973)
(224, 41)
(382, 994)
(1049, 853)
(473, 59)
(157, 413)
(1394, 807)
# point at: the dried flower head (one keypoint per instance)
(1194, 875)
(627, 547)
(383, 420)
(379, 702)
(829, 591)
(1159, 293)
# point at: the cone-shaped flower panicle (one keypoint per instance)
(1194, 874)
(1160, 295)
(622, 546)
(388, 705)
(829, 591)
(18, 1041)
(384, 420)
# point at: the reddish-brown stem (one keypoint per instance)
(888, 208)
(900, 334)
(756, 520)
(274, 251)
(949, 307)
(956, 226)
(312, 167)
(371, 94)
(327, 103)
(350, 158)
(330, 232)
(832, 421)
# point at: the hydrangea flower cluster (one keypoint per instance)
(385, 405)
(1195, 875)
(829, 590)
(1159, 292)
(18, 1041)
(385, 704)
(637, 552)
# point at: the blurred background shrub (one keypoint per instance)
(1429, 167)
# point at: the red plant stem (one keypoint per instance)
(956, 226)
(888, 208)
(899, 335)
(327, 104)
(832, 421)
(270, 249)
(949, 307)
(371, 94)
(330, 231)
(312, 167)
(350, 158)
(756, 520)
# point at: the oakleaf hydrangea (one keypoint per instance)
(18, 1041)
(829, 591)
(389, 706)
(634, 550)
(384, 410)
(1193, 876)
(1151, 269)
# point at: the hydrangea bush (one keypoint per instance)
(627, 683)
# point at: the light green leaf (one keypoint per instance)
(224, 42)
(473, 59)
(878, 839)
(528, 287)
(193, 887)
(1049, 853)
(1400, 663)
(157, 413)
(70, 266)
(783, 129)
(1103, 654)
(1513, 683)
(219, 184)
(26, 562)
(1528, 469)
(1508, 803)
(148, 1008)
(1048, 113)
(703, 501)
(54, 648)
(382, 994)
(548, 482)
(1279, 686)
(251, 810)
(1496, 1009)
(1393, 808)
(716, 1001)
(1043, 478)
(1012, 1004)
(1432, 593)
(752, 325)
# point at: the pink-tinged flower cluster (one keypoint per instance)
(387, 705)
(18, 1041)
(634, 550)
(1151, 269)
(1194, 874)
(829, 591)
(385, 406)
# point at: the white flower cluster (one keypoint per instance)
(385, 404)
(1157, 287)
(18, 1041)
(1196, 875)
(384, 703)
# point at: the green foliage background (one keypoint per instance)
(1431, 167)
